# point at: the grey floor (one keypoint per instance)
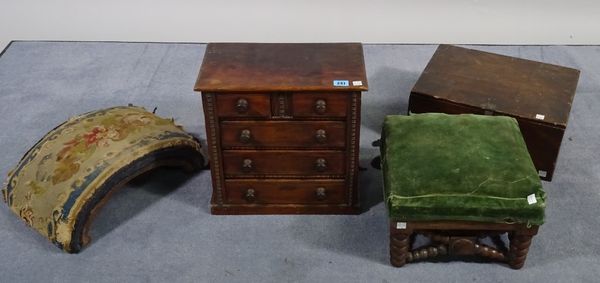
(161, 230)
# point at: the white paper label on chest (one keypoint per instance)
(531, 199)
(401, 225)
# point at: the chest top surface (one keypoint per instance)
(248, 67)
(501, 83)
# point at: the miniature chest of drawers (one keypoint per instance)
(282, 123)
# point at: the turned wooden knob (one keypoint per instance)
(241, 106)
(321, 164)
(247, 165)
(245, 136)
(320, 193)
(321, 136)
(320, 106)
(250, 195)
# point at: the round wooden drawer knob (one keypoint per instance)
(247, 165)
(321, 136)
(241, 106)
(320, 193)
(245, 136)
(250, 195)
(321, 164)
(320, 106)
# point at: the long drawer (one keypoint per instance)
(272, 134)
(264, 163)
(285, 191)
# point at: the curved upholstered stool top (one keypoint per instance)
(66, 176)
(459, 167)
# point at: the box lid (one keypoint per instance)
(282, 67)
(503, 84)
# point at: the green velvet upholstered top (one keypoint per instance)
(459, 167)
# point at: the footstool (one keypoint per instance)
(63, 181)
(457, 179)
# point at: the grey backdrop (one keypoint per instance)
(160, 229)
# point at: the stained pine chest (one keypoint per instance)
(283, 126)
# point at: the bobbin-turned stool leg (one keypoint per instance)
(399, 249)
(400, 244)
(519, 247)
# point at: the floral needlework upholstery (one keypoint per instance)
(60, 182)
(459, 167)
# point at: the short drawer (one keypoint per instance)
(270, 163)
(243, 105)
(300, 134)
(333, 104)
(285, 191)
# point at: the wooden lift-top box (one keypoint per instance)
(459, 80)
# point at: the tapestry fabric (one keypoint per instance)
(60, 180)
